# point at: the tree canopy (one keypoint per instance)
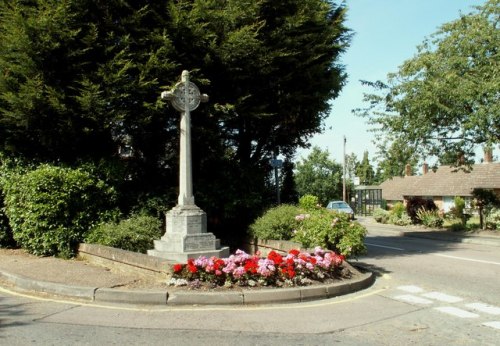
(81, 78)
(319, 176)
(445, 98)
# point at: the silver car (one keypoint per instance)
(341, 207)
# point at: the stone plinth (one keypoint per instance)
(186, 236)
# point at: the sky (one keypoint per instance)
(386, 33)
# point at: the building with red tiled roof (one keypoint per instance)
(443, 185)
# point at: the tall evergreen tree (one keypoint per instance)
(365, 170)
(80, 78)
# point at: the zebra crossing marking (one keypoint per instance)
(413, 299)
(457, 312)
(489, 309)
(442, 297)
(411, 289)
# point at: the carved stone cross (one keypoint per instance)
(185, 97)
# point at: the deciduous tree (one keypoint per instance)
(445, 98)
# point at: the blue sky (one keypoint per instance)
(387, 32)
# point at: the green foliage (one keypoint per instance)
(485, 201)
(414, 204)
(364, 171)
(317, 227)
(445, 98)
(458, 210)
(459, 206)
(133, 234)
(6, 237)
(398, 215)
(51, 208)
(331, 230)
(277, 223)
(493, 219)
(398, 209)
(430, 218)
(380, 215)
(393, 158)
(81, 78)
(319, 176)
(308, 202)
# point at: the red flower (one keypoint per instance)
(251, 266)
(275, 257)
(178, 267)
(191, 267)
(294, 252)
(218, 263)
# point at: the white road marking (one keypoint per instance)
(489, 309)
(442, 297)
(494, 324)
(413, 299)
(457, 312)
(410, 289)
(385, 247)
(467, 259)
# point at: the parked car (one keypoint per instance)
(341, 207)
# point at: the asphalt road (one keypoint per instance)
(427, 292)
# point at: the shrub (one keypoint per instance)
(493, 219)
(402, 220)
(380, 215)
(133, 234)
(397, 210)
(277, 223)
(51, 208)
(311, 228)
(6, 237)
(458, 210)
(309, 202)
(8, 168)
(398, 215)
(331, 230)
(414, 204)
(430, 218)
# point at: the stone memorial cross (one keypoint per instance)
(186, 233)
(185, 97)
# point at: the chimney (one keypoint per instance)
(408, 170)
(425, 168)
(488, 155)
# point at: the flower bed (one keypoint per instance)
(275, 270)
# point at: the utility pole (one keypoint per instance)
(343, 174)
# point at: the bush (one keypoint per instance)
(6, 237)
(331, 230)
(380, 215)
(403, 220)
(309, 202)
(397, 210)
(133, 234)
(398, 215)
(51, 208)
(414, 204)
(277, 223)
(493, 219)
(430, 218)
(311, 228)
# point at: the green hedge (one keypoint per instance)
(277, 223)
(51, 208)
(133, 234)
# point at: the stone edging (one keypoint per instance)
(177, 297)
